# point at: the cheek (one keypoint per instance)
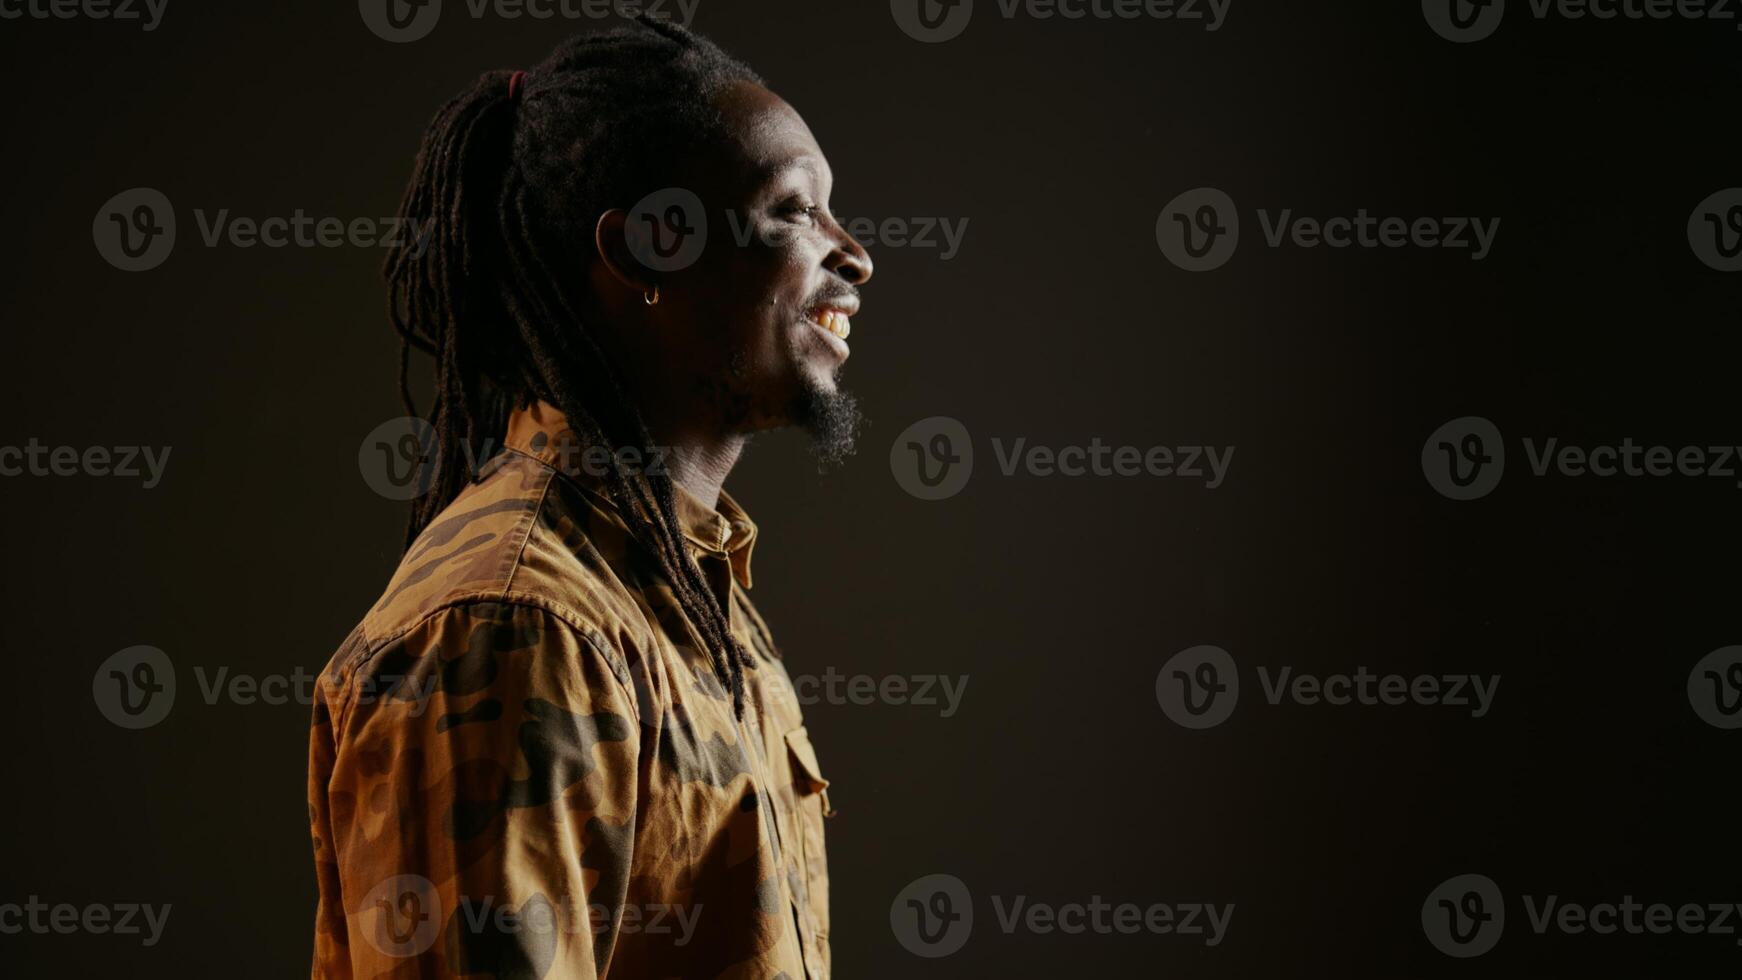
(731, 331)
(772, 347)
(767, 290)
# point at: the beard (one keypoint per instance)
(832, 420)
(828, 414)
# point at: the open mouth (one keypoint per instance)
(833, 320)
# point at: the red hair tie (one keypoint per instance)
(514, 84)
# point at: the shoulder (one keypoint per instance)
(518, 536)
(489, 654)
(523, 572)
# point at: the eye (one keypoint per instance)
(800, 210)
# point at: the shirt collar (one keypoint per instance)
(725, 531)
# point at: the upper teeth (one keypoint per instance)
(834, 321)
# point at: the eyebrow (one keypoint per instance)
(767, 174)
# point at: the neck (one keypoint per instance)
(698, 462)
(687, 421)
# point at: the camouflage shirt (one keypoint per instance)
(522, 765)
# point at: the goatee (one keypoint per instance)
(832, 418)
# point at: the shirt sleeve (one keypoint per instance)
(473, 788)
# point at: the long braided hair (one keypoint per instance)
(511, 184)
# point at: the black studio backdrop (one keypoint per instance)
(1057, 148)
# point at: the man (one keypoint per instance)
(563, 743)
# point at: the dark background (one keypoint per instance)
(1060, 320)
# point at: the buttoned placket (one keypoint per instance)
(717, 565)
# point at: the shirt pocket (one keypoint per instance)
(811, 793)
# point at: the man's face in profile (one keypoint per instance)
(759, 322)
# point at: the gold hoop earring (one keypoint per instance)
(652, 298)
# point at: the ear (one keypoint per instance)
(614, 251)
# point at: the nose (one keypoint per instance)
(848, 259)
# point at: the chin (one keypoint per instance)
(820, 379)
(831, 415)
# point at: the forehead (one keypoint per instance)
(765, 136)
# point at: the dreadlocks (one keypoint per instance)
(512, 184)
